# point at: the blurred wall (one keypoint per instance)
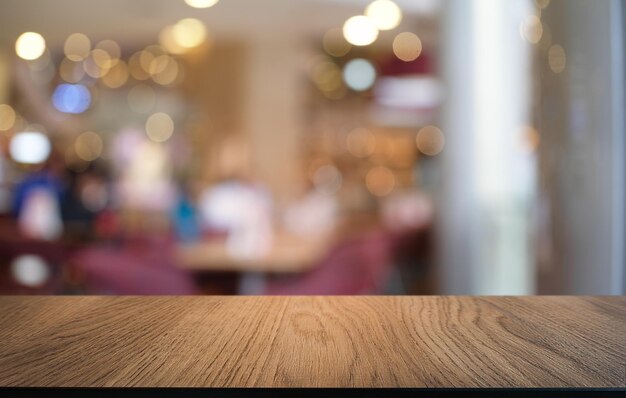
(273, 121)
(247, 122)
(216, 84)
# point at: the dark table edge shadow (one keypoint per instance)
(35, 392)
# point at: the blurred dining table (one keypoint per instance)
(287, 254)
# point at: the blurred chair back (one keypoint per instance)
(137, 268)
(361, 265)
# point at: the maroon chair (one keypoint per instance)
(135, 268)
(361, 265)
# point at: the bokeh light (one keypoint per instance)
(112, 49)
(92, 64)
(360, 30)
(159, 127)
(359, 74)
(7, 117)
(360, 142)
(380, 181)
(102, 59)
(30, 46)
(88, 146)
(30, 270)
(407, 46)
(430, 140)
(148, 55)
(335, 44)
(385, 14)
(168, 42)
(165, 70)
(327, 76)
(71, 71)
(117, 76)
(135, 68)
(157, 64)
(30, 147)
(531, 29)
(327, 179)
(201, 3)
(71, 98)
(557, 60)
(189, 32)
(77, 47)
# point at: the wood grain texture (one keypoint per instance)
(313, 341)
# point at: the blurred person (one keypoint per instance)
(406, 211)
(407, 216)
(144, 191)
(37, 201)
(315, 213)
(85, 198)
(145, 172)
(243, 210)
(185, 217)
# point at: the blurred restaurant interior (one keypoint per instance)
(312, 147)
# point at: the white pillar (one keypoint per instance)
(488, 181)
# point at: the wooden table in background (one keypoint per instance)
(313, 341)
(288, 254)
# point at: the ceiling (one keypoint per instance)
(138, 22)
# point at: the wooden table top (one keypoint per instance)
(313, 341)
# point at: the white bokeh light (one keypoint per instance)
(360, 30)
(189, 32)
(30, 46)
(201, 3)
(359, 74)
(30, 270)
(385, 14)
(30, 147)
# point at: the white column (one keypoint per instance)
(488, 181)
